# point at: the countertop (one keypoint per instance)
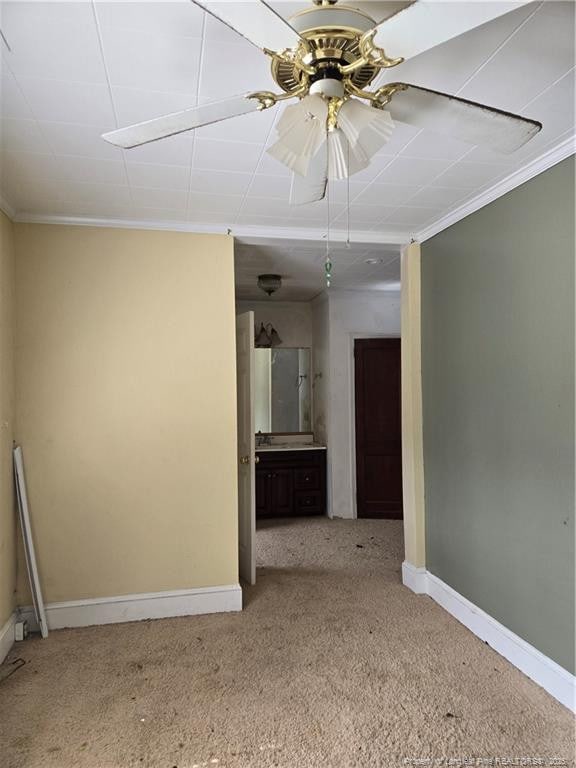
(291, 447)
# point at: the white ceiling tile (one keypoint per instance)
(40, 194)
(269, 166)
(226, 156)
(246, 69)
(438, 197)
(101, 194)
(365, 214)
(401, 136)
(100, 209)
(22, 136)
(175, 17)
(412, 217)
(211, 217)
(219, 34)
(85, 140)
(53, 41)
(27, 167)
(266, 206)
(159, 198)
(136, 105)
(339, 189)
(447, 67)
(199, 201)
(270, 186)
(12, 101)
(69, 102)
(159, 176)
(386, 194)
(317, 211)
(409, 172)
(99, 171)
(537, 55)
(220, 182)
(151, 61)
(376, 167)
(470, 175)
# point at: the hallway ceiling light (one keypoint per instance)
(269, 283)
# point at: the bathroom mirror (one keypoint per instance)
(282, 390)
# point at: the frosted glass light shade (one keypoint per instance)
(302, 130)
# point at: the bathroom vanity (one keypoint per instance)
(290, 480)
(290, 468)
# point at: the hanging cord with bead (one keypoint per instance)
(328, 263)
(348, 198)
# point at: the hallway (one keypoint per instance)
(332, 663)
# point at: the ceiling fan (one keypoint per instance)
(326, 57)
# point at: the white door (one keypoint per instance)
(246, 446)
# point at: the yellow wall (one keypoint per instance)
(7, 511)
(126, 409)
(412, 450)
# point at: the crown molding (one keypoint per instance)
(254, 235)
(555, 155)
(245, 234)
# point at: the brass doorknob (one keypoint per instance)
(246, 459)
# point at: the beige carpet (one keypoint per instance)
(332, 663)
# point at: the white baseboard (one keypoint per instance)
(415, 578)
(559, 683)
(156, 605)
(7, 637)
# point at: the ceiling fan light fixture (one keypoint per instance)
(344, 160)
(365, 127)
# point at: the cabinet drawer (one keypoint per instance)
(308, 478)
(308, 502)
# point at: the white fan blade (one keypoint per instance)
(428, 23)
(179, 122)
(255, 20)
(312, 187)
(461, 119)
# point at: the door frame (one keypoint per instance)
(352, 408)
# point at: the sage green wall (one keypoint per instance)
(498, 409)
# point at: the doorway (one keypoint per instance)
(377, 367)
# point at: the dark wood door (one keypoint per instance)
(378, 428)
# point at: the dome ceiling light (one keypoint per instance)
(269, 283)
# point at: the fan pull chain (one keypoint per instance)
(328, 262)
(348, 197)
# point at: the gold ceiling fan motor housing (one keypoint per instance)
(337, 47)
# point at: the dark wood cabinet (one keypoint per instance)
(290, 483)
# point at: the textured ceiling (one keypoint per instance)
(301, 265)
(78, 69)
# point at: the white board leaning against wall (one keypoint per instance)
(31, 565)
